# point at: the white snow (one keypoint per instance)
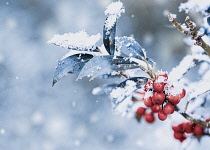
(115, 8)
(173, 16)
(200, 88)
(113, 12)
(186, 63)
(195, 5)
(76, 41)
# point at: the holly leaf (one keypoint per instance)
(70, 65)
(109, 34)
(129, 47)
(100, 65)
(122, 94)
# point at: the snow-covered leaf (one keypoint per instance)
(125, 89)
(113, 12)
(128, 46)
(80, 41)
(109, 35)
(100, 65)
(104, 89)
(71, 64)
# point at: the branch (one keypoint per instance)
(193, 32)
(196, 121)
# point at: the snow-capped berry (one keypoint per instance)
(162, 116)
(155, 108)
(174, 99)
(168, 109)
(158, 98)
(182, 94)
(150, 118)
(158, 86)
(148, 102)
(188, 127)
(198, 130)
(178, 128)
(140, 111)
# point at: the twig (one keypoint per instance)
(193, 32)
(196, 121)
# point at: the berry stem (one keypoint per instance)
(193, 32)
(196, 121)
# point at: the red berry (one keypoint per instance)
(168, 109)
(140, 111)
(158, 98)
(182, 139)
(174, 99)
(158, 86)
(178, 135)
(178, 128)
(156, 108)
(198, 130)
(162, 116)
(150, 118)
(188, 127)
(148, 102)
(182, 94)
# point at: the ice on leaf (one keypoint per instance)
(76, 41)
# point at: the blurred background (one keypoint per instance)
(35, 116)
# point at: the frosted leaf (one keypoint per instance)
(195, 5)
(129, 47)
(115, 9)
(120, 95)
(76, 41)
(104, 89)
(71, 64)
(107, 64)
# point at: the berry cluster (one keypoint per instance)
(160, 96)
(184, 128)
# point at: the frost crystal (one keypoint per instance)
(76, 41)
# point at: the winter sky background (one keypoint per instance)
(33, 115)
